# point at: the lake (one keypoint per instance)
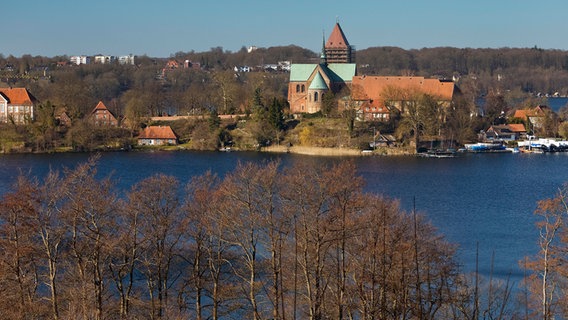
(475, 199)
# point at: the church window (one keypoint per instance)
(303, 88)
(297, 88)
(316, 97)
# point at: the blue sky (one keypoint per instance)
(162, 28)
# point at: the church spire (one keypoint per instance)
(323, 57)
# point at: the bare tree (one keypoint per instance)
(545, 282)
(241, 213)
(90, 205)
(198, 207)
(156, 199)
(18, 266)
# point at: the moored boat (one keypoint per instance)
(485, 147)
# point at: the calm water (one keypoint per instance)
(485, 199)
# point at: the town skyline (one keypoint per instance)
(162, 29)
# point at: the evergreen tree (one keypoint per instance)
(276, 115)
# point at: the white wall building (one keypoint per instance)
(80, 60)
(104, 59)
(129, 59)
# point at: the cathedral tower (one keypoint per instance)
(337, 48)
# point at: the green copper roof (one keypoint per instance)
(301, 72)
(342, 72)
(318, 83)
(336, 72)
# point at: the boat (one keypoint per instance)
(485, 147)
(437, 153)
(543, 145)
(532, 150)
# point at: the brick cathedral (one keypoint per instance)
(309, 83)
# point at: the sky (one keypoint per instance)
(162, 28)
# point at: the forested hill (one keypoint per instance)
(530, 70)
(515, 70)
(526, 69)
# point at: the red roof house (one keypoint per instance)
(101, 116)
(17, 105)
(534, 116)
(378, 95)
(157, 135)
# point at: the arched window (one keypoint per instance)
(297, 88)
(303, 88)
(316, 97)
(322, 96)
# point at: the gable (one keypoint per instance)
(100, 106)
(318, 83)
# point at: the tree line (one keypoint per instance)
(518, 70)
(265, 241)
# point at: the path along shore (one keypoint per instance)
(334, 152)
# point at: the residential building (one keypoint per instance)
(505, 132)
(17, 105)
(62, 117)
(534, 117)
(78, 60)
(104, 59)
(157, 135)
(101, 116)
(129, 59)
(377, 97)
